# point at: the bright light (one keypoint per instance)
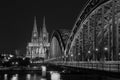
(119, 54)
(28, 76)
(5, 76)
(8, 57)
(14, 77)
(71, 55)
(55, 76)
(43, 68)
(16, 62)
(105, 48)
(96, 49)
(78, 53)
(23, 58)
(89, 52)
(11, 55)
(42, 79)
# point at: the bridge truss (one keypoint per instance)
(94, 41)
(96, 33)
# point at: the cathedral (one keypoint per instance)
(39, 45)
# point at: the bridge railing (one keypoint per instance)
(113, 66)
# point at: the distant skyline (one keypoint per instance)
(17, 17)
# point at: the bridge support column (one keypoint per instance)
(114, 34)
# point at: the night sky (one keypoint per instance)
(16, 19)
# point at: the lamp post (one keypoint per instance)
(96, 49)
(71, 57)
(106, 49)
(96, 53)
(89, 54)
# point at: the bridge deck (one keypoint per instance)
(113, 66)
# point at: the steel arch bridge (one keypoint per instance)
(96, 33)
(58, 41)
(94, 41)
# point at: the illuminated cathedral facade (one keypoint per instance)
(39, 45)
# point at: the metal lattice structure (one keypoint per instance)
(58, 42)
(96, 33)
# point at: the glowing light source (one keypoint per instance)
(5, 76)
(28, 76)
(89, 51)
(11, 55)
(105, 48)
(43, 70)
(71, 55)
(96, 49)
(55, 76)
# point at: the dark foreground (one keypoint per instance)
(64, 72)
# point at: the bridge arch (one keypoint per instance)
(58, 41)
(96, 32)
(57, 45)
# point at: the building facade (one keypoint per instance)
(39, 45)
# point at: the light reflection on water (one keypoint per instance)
(24, 76)
(21, 77)
(5, 77)
(54, 75)
(28, 77)
(14, 77)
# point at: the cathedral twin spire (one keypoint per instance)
(35, 31)
(38, 47)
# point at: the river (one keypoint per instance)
(56, 76)
(51, 75)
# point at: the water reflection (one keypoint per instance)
(14, 77)
(55, 75)
(43, 71)
(22, 76)
(5, 77)
(43, 79)
(28, 77)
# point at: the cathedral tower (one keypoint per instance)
(45, 33)
(39, 45)
(35, 32)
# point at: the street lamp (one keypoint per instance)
(78, 53)
(89, 52)
(71, 55)
(11, 55)
(96, 49)
(105, 48)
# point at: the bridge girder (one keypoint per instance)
(59, 48)
(96, 31)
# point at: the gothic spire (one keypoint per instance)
(44, 26)
(35, 32)
(35, 26)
